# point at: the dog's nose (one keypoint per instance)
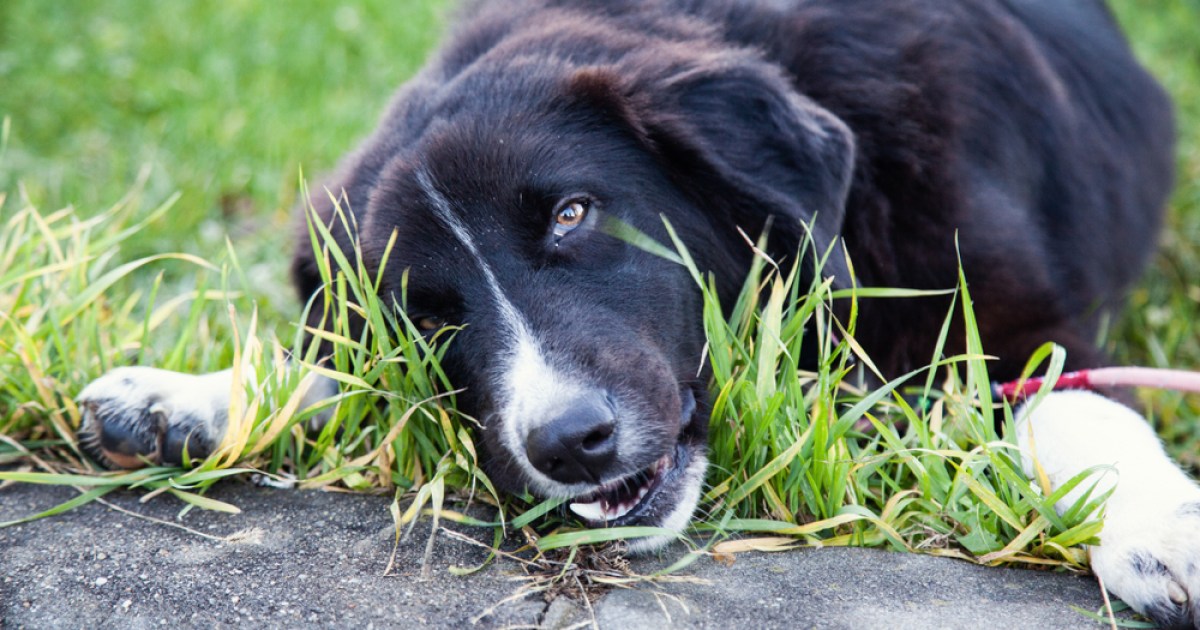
(578, 444)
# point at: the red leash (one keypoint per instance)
(1179, 380)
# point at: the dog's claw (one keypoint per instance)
(119, 435)
(1157, 569)
(135, 416)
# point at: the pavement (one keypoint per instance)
(317, 559)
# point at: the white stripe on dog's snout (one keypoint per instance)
(537, 391)
(532, 391)
(508, 313)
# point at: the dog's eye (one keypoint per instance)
(570, 216)
(430, 323)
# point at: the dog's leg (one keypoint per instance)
(1149, 551)
(132, 416)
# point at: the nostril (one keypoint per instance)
(597, 438)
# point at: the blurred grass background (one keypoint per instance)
(225, 102)
(1161, 326)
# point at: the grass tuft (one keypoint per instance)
(813, 456)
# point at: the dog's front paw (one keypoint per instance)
(134, 416)
(1149, 556)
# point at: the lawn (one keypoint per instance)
(200, 120)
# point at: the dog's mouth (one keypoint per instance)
(618, 498)
(650, 494)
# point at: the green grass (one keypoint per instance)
(184, 129)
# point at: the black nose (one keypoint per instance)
(578, 444)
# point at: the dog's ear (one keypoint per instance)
(737, 125)
(602, 90)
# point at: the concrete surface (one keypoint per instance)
(316, 559)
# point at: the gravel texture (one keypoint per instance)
(317, 559)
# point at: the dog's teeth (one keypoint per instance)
(589, 511)
(606, 506)
(599, 511)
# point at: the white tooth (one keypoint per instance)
(589, 511)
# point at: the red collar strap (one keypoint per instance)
(1179, 380)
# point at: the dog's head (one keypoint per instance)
(500, 167)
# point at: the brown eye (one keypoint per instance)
(431, 323)
(571, 215)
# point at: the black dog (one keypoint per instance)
(1021, 130)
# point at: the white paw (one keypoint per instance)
(1149, 556)
(133, 416)
(1149, 551)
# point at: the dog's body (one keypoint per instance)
(1019, 133)
(1024, 130)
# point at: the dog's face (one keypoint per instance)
(581, 355)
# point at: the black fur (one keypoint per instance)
(1022, 130)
